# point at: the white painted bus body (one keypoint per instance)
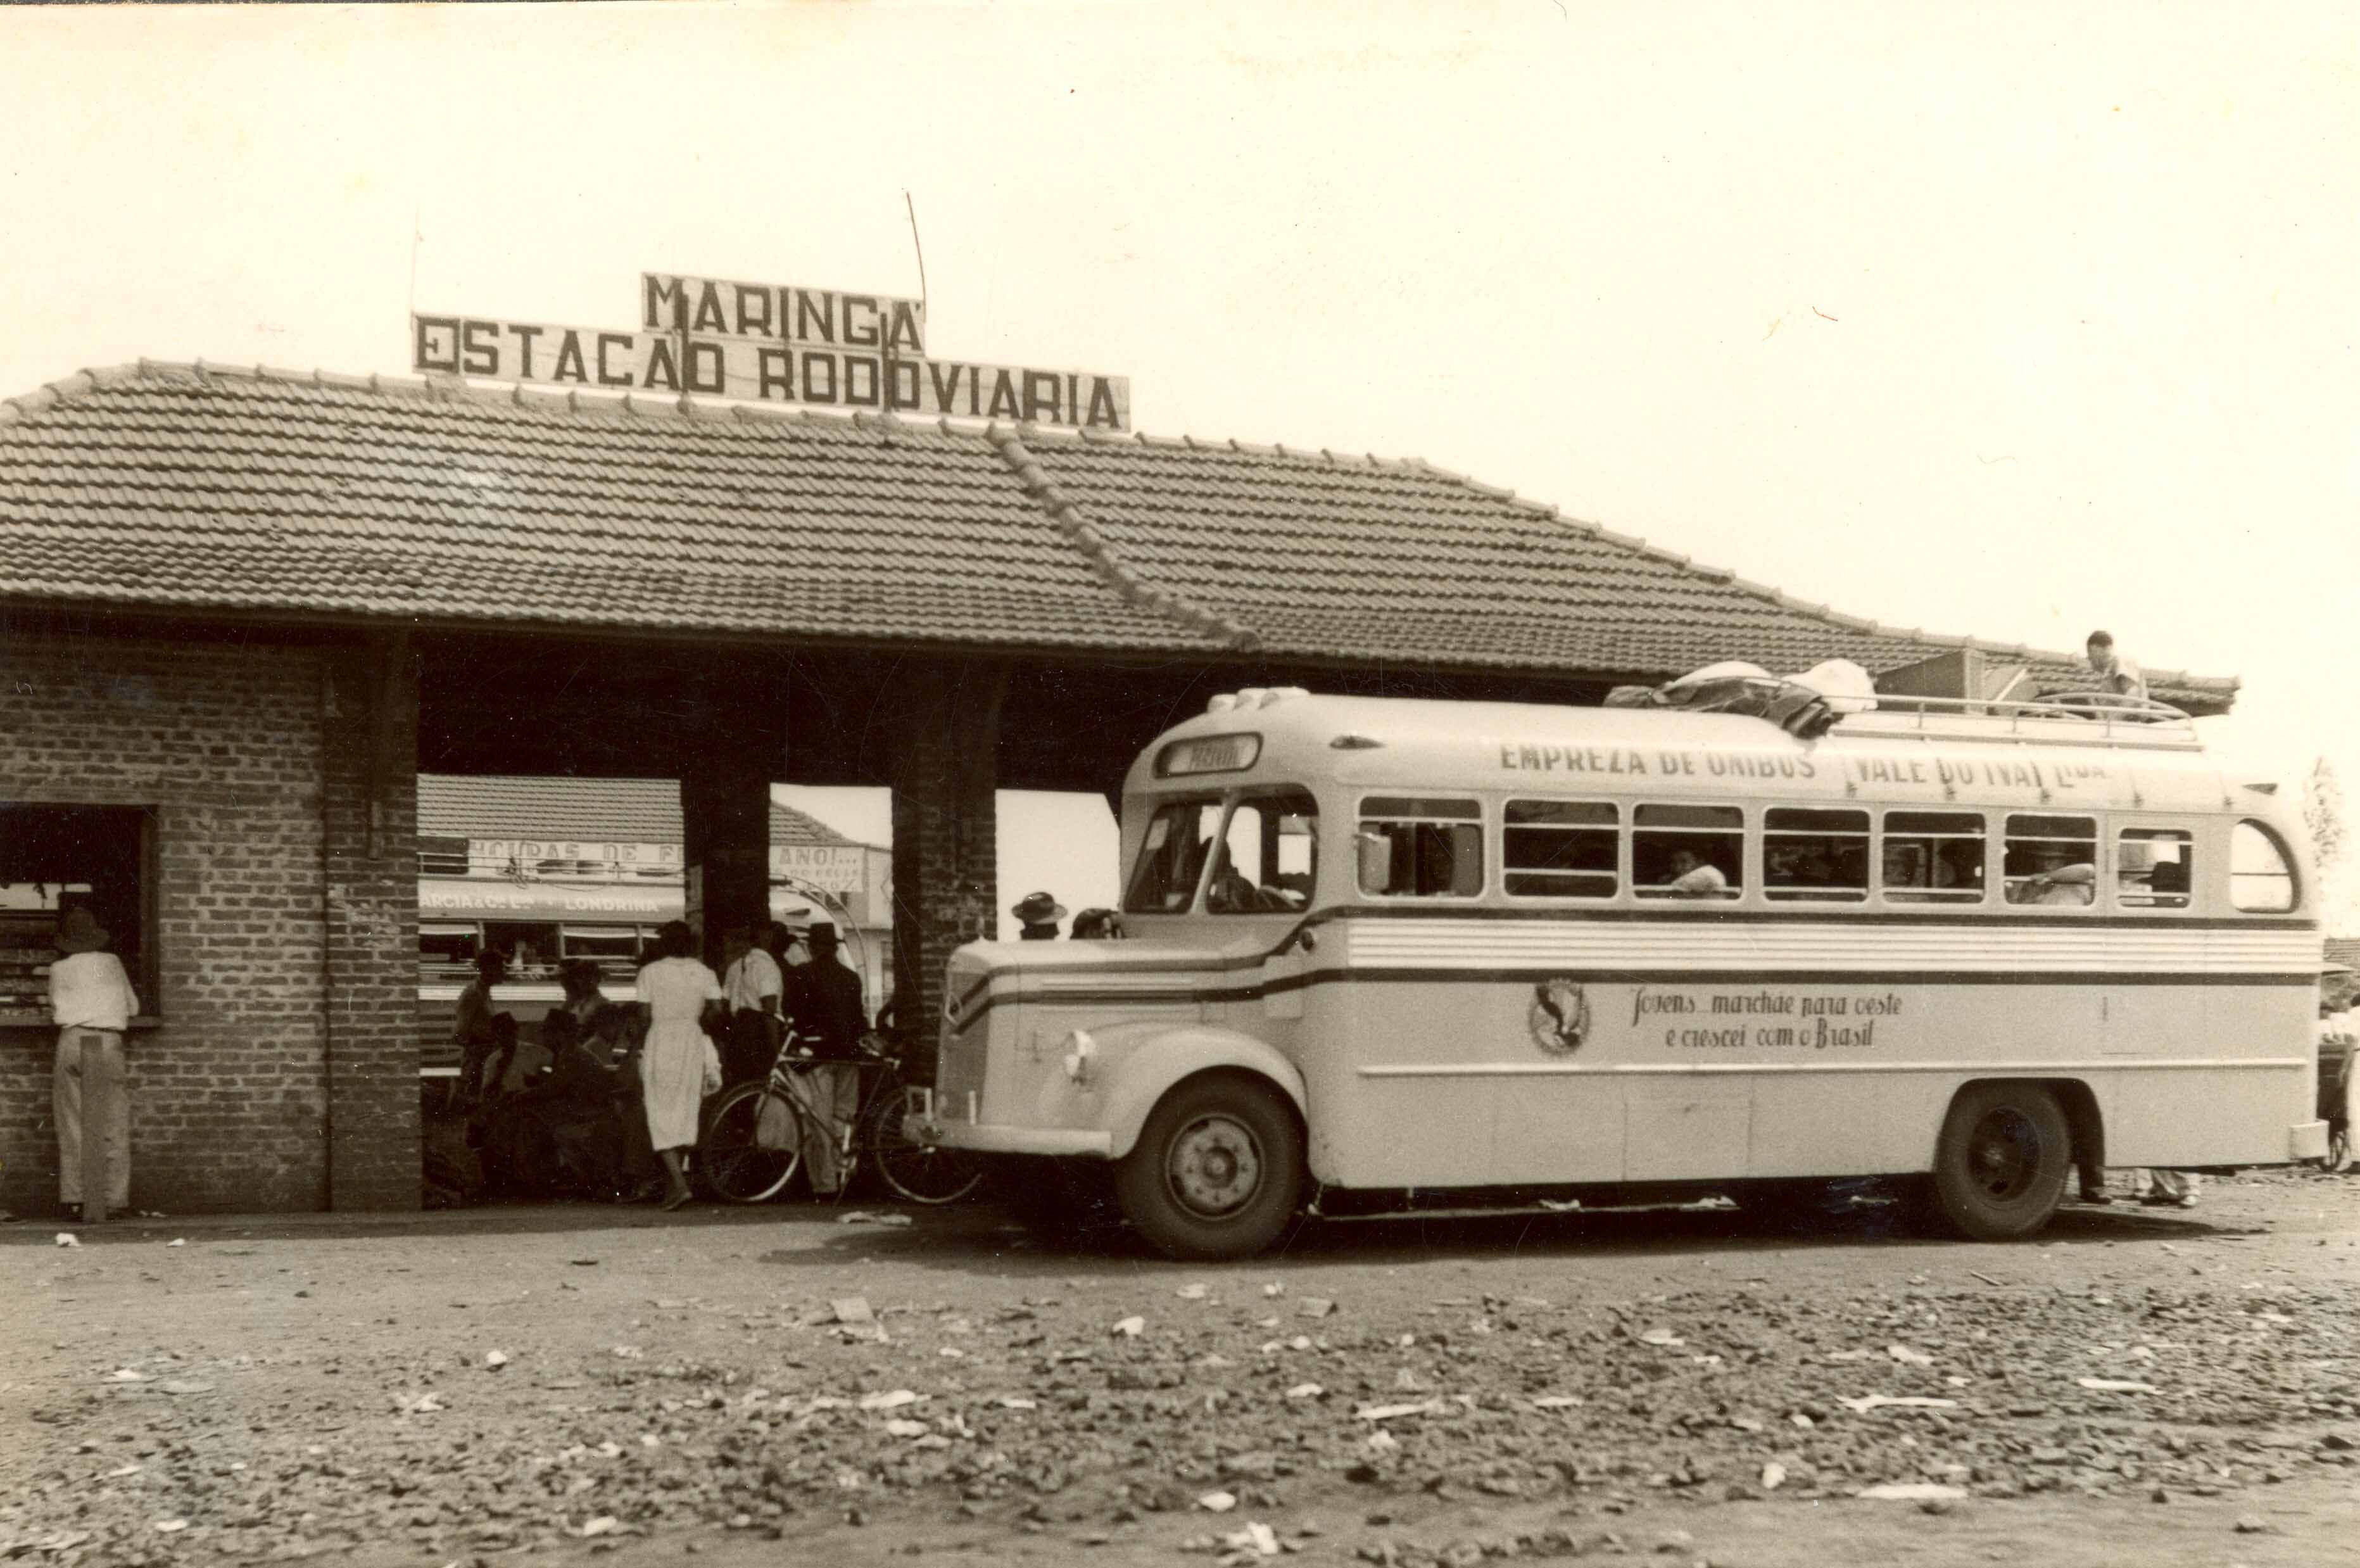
(1480, 1039)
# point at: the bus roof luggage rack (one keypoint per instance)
(2059, 719)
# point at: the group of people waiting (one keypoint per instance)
(604, 1102)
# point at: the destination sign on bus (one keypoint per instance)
(1212, 754)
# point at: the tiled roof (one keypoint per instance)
(222, 490)
(622, 811)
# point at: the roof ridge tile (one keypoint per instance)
(1090, 543)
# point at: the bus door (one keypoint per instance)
(1285, 838)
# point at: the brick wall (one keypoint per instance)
(369, 813)
(945, 721)
(254, 778)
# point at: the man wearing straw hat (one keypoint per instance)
(92, 1002)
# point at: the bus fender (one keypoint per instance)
(1161, 1057)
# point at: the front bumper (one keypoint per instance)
(922, 1123)
(2307, 1140)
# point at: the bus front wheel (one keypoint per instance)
(2000, 1162)
(1218, 1171)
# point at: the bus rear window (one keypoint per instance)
(1421, 847)
(1933, 857)
(1688, 852)
(1814, 854)
(2261, 878)
(1559, 849)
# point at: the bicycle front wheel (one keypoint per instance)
(920, 1173)
(752, 1145)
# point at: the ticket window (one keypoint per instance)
(55, 858)
(530, 946)
(447, 949)
(614, 948)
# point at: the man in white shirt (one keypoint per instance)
(92, 1002)
(751, 984)
(2110, 670)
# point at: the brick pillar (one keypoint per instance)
(368, 809)
(945, 726)
(725, 803)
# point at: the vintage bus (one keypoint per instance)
(1383, 947)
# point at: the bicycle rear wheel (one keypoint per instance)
(738, 1162)
(920, 1173)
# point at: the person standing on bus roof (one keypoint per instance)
(1693, 876)
(2110, 672)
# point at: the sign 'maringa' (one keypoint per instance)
(773, 344)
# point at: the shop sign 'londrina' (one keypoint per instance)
(771, 344)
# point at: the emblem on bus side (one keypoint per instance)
(1559, 1017)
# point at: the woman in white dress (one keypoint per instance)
(675, 989)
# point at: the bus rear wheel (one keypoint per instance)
(2001, 1160)
(1218, 1171)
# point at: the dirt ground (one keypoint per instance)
(580, 1385)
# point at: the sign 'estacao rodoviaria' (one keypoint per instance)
(773, 344)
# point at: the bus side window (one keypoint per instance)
(2052, 861)
(1688, 852)
(2154, 868)
(1933, 857)
(1561, 848)
(1418, 846)
(1268, 860)
(2261, 876)
(1816, 855)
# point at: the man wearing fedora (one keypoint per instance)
(92, 1003)
(829, 1015)
(1037, 914)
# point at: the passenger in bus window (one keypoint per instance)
(2055, 879)
(1694, 877)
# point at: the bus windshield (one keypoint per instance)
(1268, 860)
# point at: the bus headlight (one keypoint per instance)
(1081, 1057)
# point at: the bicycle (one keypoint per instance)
(753, 1139)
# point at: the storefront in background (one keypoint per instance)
(547, 870)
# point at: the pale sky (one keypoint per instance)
(2003, 320)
